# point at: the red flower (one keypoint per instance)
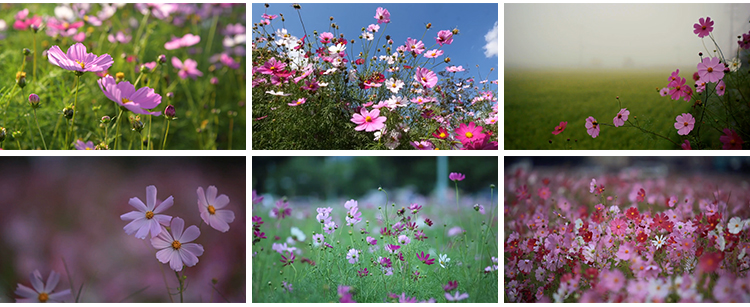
(559, 129)
(632, 213)
(440, 133)
(642, 237)
(428, 222)
(591, 273)
(710, 262)
(453, 284)
(359, 61)
(425, 259)
(641, 195)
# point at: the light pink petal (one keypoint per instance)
(178, 225)
(135, 225)
(211, 194)
(132, 215)
(155, 228)
(193, 248)
(101, 63)
(190, 39)
(163, 219)
(202, 203)
(54, 55)
(143, 228)
(204, 215)
(175, 262)
(26, 292)
(150, 190)
(52, 281)
(190, 234)
(161, 241)
(187, 258)
(172, 45)
(165, 255)
(191, 64)
(59, 296)
(177, 63)
(36, 281)
(77, 52)
(221, 201)
(182, 74)
(166, 204)
(138, 204)
(220, 221)
(106, 84)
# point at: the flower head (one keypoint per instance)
(684, 124)
(731, 139)
(185, 41)
(560, 128)
(80, 145)
(469, 133)
(703, 27)
(147, 218)
(710, 69)
(281, 210)
(425, 258)
(187, 69)
(209, 205)
(369, 120)
(77, 59)
(592, 127)
(456, 297)
(287, 260)
(440, 133)
(426, 77)
(41, 293)
(735, 225)
(298, 102)
(353, 256)
(444, 37)
(443, 261)
(175, 248)
(456, 176)
(452, 284)
(382, 15)
(125, 95)
(621, 117)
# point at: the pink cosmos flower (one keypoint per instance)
(175, 248)
(444, 37)
(703, 27)
(469, 134)
(119, 38)
(77, 59)
(149, 67)
(297, 102)
(592, 127)
(326, 37)
(23, 23)
(370, 240)
(618, 227)
(456, 297)
(209, 205)
(731, 139)
(147, 218)
(625, 252)
(720, 88)
(700, 86)
(125, 95)
(80, 145)
(158, 10)
(422, 145)
(382, 15)
(621, 117)
(684, 124)
(453, 284)
(426, 77)
(434, 53)
(63, 28)
(678, 88)
(456, 176)
(185, 41)
(352, 256)
(454, 68)
(188, 69)
(560, 128)
(612, 280)
(369, 121)
(41, 293)
(686, 145)
(414, 46)
(710, 70)
(745, 42)
(425, 259)
(664, 92)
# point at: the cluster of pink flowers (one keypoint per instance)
(674, 237)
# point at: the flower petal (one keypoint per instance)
(36, 281)
(190, 234)
(193, 248)
(52, 281)
(59, 296)
(26, 292)
(150, 190)
(202, 203)
(178, 225)
(221, 201)
(166, 204)
(132, 215)
(188, 258)
(138, 204)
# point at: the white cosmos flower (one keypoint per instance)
(735, 64)
(298, 234)
(335, 50)
(394, 85)
(277, 93)
(659, 241)
(735, 225)
(443, 260)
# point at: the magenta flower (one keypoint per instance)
(731, 139)
(271, 67)
(80, 145)
(444, 37)
(23, 23)
(720, 88)
(621, 117)
(188, 69)
(287, 260)
(684, 124)
(703, 27)
(618, 226)
(560, 128)
(745, 42)
(297, 102)
(78, 60)
(382, 15)
(686, 145)
(414, 46)
(391, 248)
(125, 95)
(452, 284)
(281, 210)
(185, 41)
(371, 240)
(710, 69)
(678, 88)
(41, 293)
(424, 258)
(469, 134)
(326, 37)
(426, 77)
(456, 297)
(208, 205)
(119, 37)
(147, 217)
(369, 121)
(456, 176)
(175, 248)
(592, 127)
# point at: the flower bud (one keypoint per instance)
(214, 81)
(68, 112)
(169, 112)
(429, 25)
(161, 59)
(120, 76)
(106, 119)
(296, 6)
(2, 134)
(26, 51)
(170, 95)
(136, 123)
(447, 60)
(34, 100)
(34, 28)
(21, 79)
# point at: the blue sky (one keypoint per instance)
(407, 20)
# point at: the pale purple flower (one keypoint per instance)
(353, 256)
(78, 60)
(456, 176)
(444, 37)
(147, 218)
(371, 240)
(403, 240)
(318, 239)
(175, 248)
(119, 37)
(329, 227)
(456, 297)
(80, 145)
(185, 41)
(455, 231)
(188, 69)
(710, 69)
(41, 293)
(125, 95)
(208, 205)
(158, 10)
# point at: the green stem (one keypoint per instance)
(117, 135)
(33, 73)
(456, 182)
(140, 32)
(73, 120)
(181, 284)
(211, 34)
(164, 145)
(231, 123)
(40, 130)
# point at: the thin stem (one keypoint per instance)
(231, 123)
(164, 145)
(211, 34)
(148, 138)
(33, 73)
(40, 130)
(140, 32)
(181, 284)
(117, 135)
(73, 120)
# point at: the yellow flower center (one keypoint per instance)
(81, 63)
(469, 135)
(442, 134)
(66, 25)
(43, 297)
(424, 79)
(368, 119)
(149, 215)
(176, 244)
(125, 100)
(211, 210)
(710, 69)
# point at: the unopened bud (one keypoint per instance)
(26, 51)
(120, 76)
(2, 134)
(68, 112)
(106, 119)
(169, 111)
(161, 59)
(34, 100)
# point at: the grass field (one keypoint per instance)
(537, 101)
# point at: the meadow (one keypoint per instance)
(388, 245)
(536, 101)
(123, 76)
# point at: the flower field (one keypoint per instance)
(322, 89)
(122, 76)
(389, 245)
(627, 234)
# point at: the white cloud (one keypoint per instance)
(490, 49)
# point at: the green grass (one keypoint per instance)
(206, 113)
(469, 254)
(537, 101)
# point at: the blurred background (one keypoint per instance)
(56, 208)
(653, 166)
